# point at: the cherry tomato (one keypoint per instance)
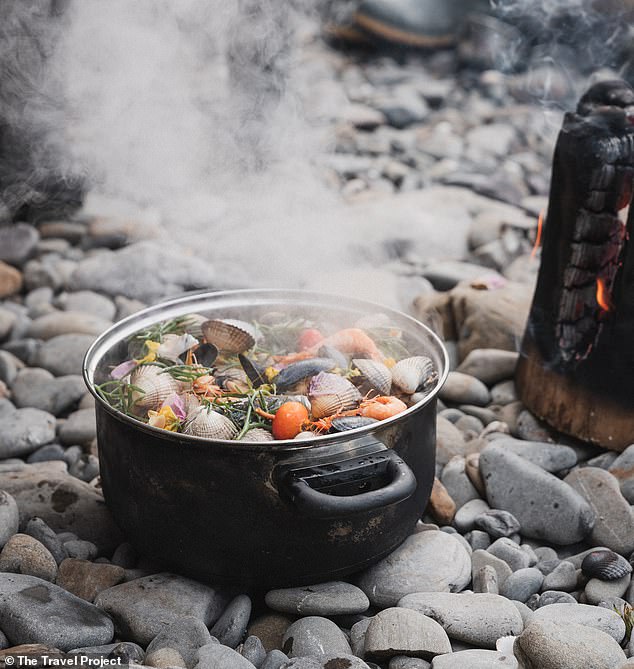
(288, 420)
(309, 338)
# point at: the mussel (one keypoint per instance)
(152, 386)
(292, 376)
(345, 423)
(202, 422)
(206, 354)
(333, 354)
(374, 375)
(330, 393)
(255, 373)
(605, 565)
(229, 335)
(412, 374)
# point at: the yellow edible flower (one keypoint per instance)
(165, 418)
(152, 347)
(389, 362)
(271, 373)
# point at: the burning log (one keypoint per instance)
(576, 370)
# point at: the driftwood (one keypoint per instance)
(576, 370)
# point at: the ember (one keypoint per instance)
(603, 297)
(538, 237)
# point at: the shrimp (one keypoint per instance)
(206, 386)
(350, 340)
(381, 407)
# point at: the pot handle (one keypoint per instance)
(303, 488)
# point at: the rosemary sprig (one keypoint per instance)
(186, 372)
(119, 395)
(157, 331)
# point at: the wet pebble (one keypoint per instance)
(546, 507)
(10, 280)
(47, 453)
(549, 597)
(231, 627)
(440, 504)
(146, 606)
(215, 655)
(274, 659)
(312, 637)
(270, 629)
(402, 631)
(87, 579)
(464, 389)
(81, 549)
(482, 558)
(478, 619)
(9, 517)
(457, 483)
(35, 611)
(414, 567)
(322, 599)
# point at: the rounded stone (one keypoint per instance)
(415, 566)
(556, 645)
(475, 659)
(87, 579)
(401, 631)
(35, 611)
(23, 554)
(64, 354)
(507, 550)
(497, 523)
(599, 618)
(24, 431)
(522, 584)
(38, 388)
(597, 590)
(462, 388)
(478, 619)
(322, 599)
(312, 637)
(231, 627)
(562, 577)
(489, 365)
(185, 635)
(9, 517)
(79, 428)
(546, 507)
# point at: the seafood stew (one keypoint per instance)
(266, 373)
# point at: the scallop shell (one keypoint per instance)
(330, 393)
(412, 374)
(229, 335)
(209, 424)
(257, 434)
(292, 376)
(375, 374)
(304, 436)
(152, 386)
(605, 565)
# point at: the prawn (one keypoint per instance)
(348, 340)
(381, 407)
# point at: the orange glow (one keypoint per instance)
(538, 238)
(603, 296)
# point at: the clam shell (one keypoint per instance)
(292, 375)
(194, 323)
(346, 423)
(330, 393)
(229, 335)
(209, 424)
(304, 436)
(375, 375)
(605, 565)
(257, 434)
(412, 374)
(153, 386)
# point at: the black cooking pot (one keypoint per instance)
(271, 513)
